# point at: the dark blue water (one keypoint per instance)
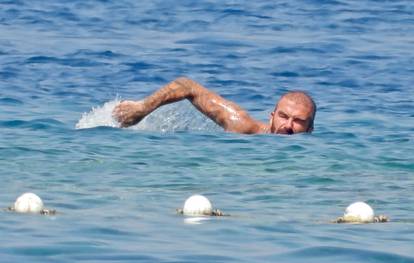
(64, 64)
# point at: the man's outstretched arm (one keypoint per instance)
(223, 112)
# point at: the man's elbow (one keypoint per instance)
(184, 80)
(191, 87)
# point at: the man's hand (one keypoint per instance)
(129, 112)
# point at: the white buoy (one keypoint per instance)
(197, 205)
(28, 203)
(359, 212)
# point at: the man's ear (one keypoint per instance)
(271, 117)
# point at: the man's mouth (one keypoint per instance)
(287, 131)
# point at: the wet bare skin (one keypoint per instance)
(289, 117)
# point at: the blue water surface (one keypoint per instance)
(65, 64)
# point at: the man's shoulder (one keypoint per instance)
(249, 126)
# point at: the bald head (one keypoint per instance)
(294, 113)
(301, 97)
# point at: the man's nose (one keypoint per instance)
(289, 123)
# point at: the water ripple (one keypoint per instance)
(329, 254)
(10, 101)
(35, 124)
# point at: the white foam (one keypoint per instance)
(99, 116)
(179, 116)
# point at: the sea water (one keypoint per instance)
(65, 64)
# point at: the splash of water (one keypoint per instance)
(99, 116)
(179, 116)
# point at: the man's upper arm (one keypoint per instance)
(225, 113)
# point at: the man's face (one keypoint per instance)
(291, 117)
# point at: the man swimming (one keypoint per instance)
(294, 112)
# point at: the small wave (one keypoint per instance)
(342, 254)
(36, 124)
(10, 101)
(181, 116)
(73, 62)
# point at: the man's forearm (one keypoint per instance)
(131, 112)
(179, 89)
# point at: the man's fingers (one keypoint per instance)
(125, 124)
(118, 108)
(118, 114)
